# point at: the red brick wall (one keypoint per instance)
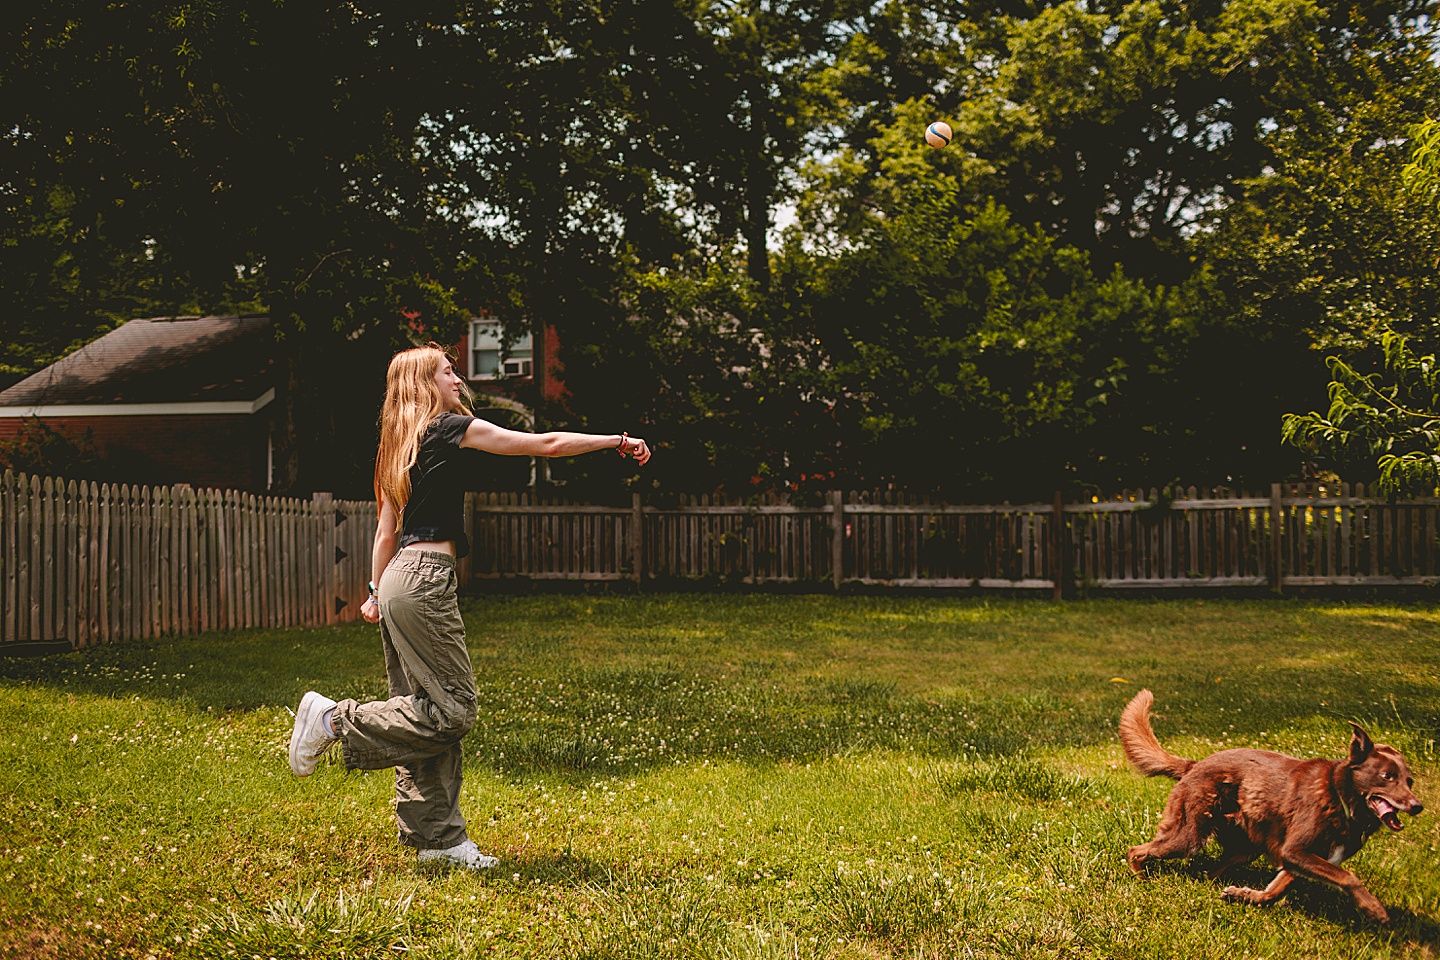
(554, 386)
(224, 451)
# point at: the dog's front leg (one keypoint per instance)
(1270, 894)
(1302, 862)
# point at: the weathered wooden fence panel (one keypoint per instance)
(89, 563)
(1173, 538)
(947, 545)
(1296, 535)
(1336, 535)
(514, 535)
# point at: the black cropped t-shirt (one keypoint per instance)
(436, 510)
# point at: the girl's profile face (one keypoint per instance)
(449, 383)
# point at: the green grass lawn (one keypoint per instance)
(692, 776)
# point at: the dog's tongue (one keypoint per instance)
(1386, 813)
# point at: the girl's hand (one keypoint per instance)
(637, 448)
(370, 610)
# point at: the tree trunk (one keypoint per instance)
(758, 186)
(289, 387)
(757, 195)
(757, 223)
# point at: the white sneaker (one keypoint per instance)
(309, 740)
(464, 854)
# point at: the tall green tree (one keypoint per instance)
(725, 99)
(945, 346)
(669, 137)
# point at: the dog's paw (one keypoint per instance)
(1375, 910)
(1240, 894)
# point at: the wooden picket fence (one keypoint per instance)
(83, 563)
(874, 539)
(88, 563)
(1293, 535)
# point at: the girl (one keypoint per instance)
(420, 488)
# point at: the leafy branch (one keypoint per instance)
(1390, 418)
(1421, 176)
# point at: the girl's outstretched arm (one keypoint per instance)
(484, 435)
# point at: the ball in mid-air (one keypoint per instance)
(938, 134)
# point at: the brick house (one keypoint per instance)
(165, 400)
(493, 368)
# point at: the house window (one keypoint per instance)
(491, 358)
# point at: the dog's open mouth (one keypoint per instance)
(1386, 812)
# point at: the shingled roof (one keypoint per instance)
(166, 360)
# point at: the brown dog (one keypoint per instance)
(1307, 815)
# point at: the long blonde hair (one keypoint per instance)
(412, 400)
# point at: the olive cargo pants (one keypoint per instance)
(432, 700)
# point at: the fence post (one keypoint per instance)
(324, 527)
(1058, 543)
(837, 538)
(637, 539)
(1277, 555)
(9, 553)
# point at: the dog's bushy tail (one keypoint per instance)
(1141, 747)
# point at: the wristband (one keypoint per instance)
(620, 447)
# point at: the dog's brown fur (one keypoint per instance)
(1308, 816)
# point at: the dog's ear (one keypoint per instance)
(1360, 745)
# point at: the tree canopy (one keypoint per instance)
(1154, 223)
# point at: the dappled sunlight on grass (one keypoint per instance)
(1382, 616)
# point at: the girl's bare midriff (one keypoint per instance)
(435, 546)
